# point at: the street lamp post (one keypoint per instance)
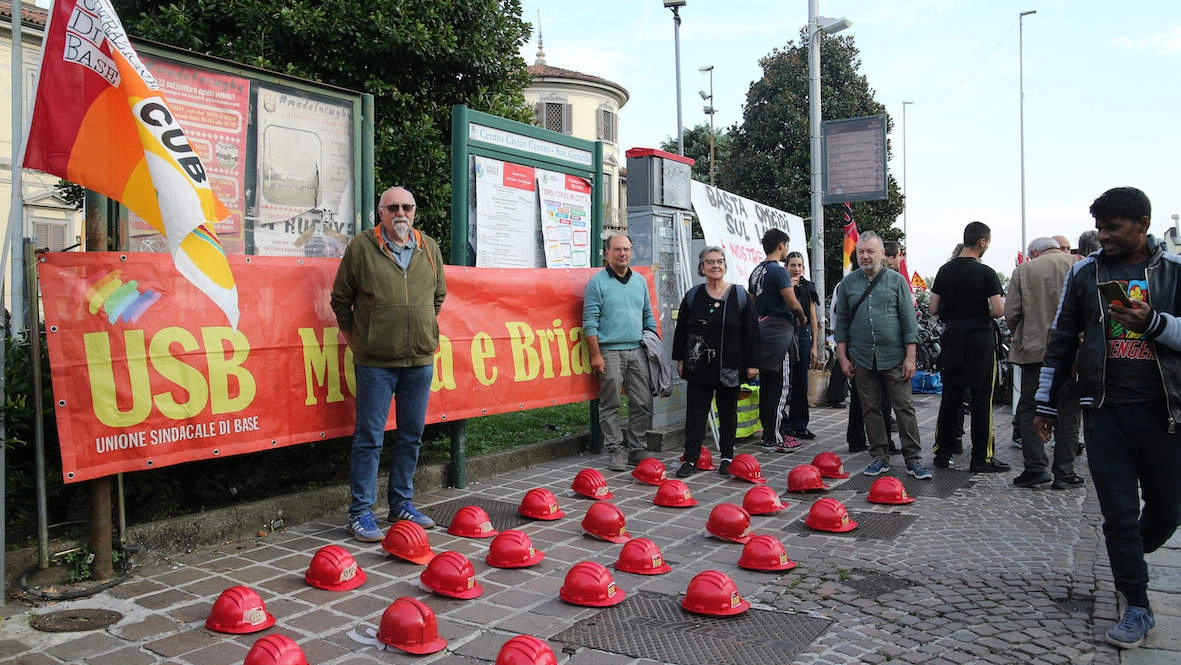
(817, 25)
(1021, 93)
(905, 191)
(675, 7)
(709, 110)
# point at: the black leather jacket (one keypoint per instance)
(1082, 311)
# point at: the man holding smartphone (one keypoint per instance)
(1129, 379)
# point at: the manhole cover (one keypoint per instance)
(879, 526)
(502, 515)
(871, 584)
(654, 627)
(944, 483)
(69, 621)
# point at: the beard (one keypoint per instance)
(401, 229)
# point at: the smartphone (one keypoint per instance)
(1113, 292)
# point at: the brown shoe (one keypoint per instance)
(634, 456)
(617, 460)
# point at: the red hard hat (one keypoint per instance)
(744, 466)
(451, 574)
(605, 521)
(705, 460)
(830, 465)
(275, 650)
(888, 489)
(526, 650)
(408, 624)
(765, 553)
(803, 478)
(642, 557)
(471, 522)
(239, 610)
(828, 514)
(649, 471)
(407, 540)
(729, 521)
(540, 504)
(590, 483)
(674, 494)
(334, 569)
(762, 500)
(712, 592)
(590, 583)
(513, 549)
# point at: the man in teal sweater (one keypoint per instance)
(616, 311)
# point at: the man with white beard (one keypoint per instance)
(386, 297)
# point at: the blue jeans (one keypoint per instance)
(376, 386)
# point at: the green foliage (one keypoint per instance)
(770, 155)
(696, 142)
(417, 58)
(505, 431)
(79, 563)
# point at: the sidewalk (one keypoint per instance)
(974, 571)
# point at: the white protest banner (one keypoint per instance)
(737, 225)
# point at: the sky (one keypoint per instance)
(1101, 105)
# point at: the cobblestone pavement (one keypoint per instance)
(986, 573)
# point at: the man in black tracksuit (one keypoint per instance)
(1128, 364)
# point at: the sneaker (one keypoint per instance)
(994, 466)
(943, 462)
(1031, 479)
(1133, 629)
(407, 511)
(724, 467)
(617, 460)
(363, 528)
(917, 470)
(1016, 443)
(769, 446)
(687, 469)
(876, 468)
(789, 444)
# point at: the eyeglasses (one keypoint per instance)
(393, 207)
(714, 262)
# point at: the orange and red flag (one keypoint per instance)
(851, 238)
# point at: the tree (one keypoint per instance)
(697, 147)
(770, 155)
(416, 57)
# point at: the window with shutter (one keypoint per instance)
(50, 235)
(607, 130)
(555, 117)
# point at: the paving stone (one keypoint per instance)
(163, 599)
(182, 643)
(34, 659)
(9, 648)
(85, 647)
(225, 652)
(152, 624)
(124, 656)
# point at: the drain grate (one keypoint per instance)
(876, 526)
(944, 483)
(871, 584)
(654, 627)
(70, 621)
(502, 515)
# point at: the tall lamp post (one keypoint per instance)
(1021, 92)
(675, 7)
(709, 110)
(905, 191)
(817, 26)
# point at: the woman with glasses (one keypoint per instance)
(807, 354)
(716, 346)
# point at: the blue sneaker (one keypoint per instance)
(363, 527)
(1133, 629)
(876, 468)
(407, 511)
(917, 470)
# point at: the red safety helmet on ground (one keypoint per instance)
(746, 467)
(589, 583)
(642, 557)
(888, 489)
(830, 465)
(729, 521)
(803, 478)
(452, 575)
(590, 483)
(828, 514)
(239, 610)
(540, 504)
(674, 494)
(705, 460)
(407, 540)
(334, 569)
(513, 549)
(471, 522)
(712, 592)
(765, 552)
(605, 521)
(275, 650)
(526, 650)
(410, 625)
(650, 471)
(762, 500)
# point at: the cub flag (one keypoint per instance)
(100, 121)
(851, 238)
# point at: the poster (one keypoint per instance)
(565, 219)
(506, 215)
(737, 225)
(213, 109)
(304, 192)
